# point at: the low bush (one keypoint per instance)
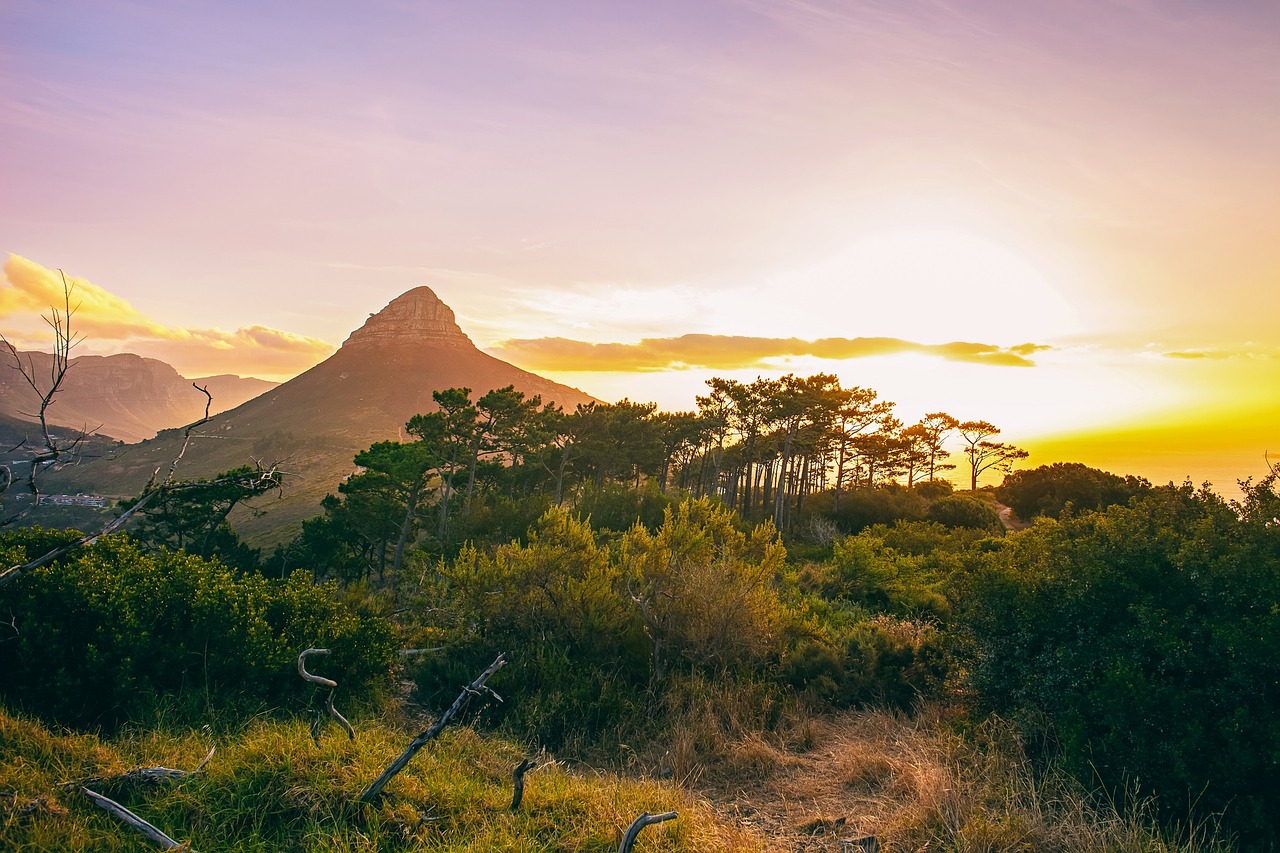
(1147, 638)
(110, 633)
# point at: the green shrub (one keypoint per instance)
(1047, 490)
(1148, 638)
(965, 511)
(862, 507)
(564, 607)
(109, 633)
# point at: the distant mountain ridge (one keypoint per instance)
(125, 396)
(314, 424)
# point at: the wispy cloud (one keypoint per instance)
(108, 321)
(730, 352)
(1253, 352)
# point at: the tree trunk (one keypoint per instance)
(411, 508)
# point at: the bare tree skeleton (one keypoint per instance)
(54, 449)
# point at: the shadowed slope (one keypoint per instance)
(125, 396)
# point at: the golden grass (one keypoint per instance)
(269, 788)
(915, 785)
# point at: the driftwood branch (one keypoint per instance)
(317, 723)
(475, 688)
(645, 819)
(167, 774)
(517, 780)
(122, 814)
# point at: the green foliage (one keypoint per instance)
(575, 651)
(861, 508)
(865, 571)
(966, 511)
(567, 611)
(192, 516)
(617, 507)
(1047, 490)
(1148, 638)
(708, 592)
(931, 490)
(111, 632)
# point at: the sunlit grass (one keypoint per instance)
(269, 788)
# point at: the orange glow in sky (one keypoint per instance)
(1056, 217)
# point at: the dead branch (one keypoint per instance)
(53, 449)
(311, 678)
(517, 780)
(645, 819)
(475, 688)
(122, 814)
(147, 775)
(186, 435)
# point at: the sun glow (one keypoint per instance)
(931, 285)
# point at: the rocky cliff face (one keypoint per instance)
(417, 317)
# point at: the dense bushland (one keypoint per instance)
(1144, 642)
(110, 633)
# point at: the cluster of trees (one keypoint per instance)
(762, 448)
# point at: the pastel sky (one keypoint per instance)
(1059, 217)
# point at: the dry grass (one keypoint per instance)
(915, 785)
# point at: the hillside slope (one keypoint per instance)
(315, 423)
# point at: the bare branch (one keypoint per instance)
(186, 436)
(311, 678)
(645, 819)
(53, 449)
(122, 814)
(374, 790)
(517, 780)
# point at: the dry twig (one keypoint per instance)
(475, 688)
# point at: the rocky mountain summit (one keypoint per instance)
(315, 423)
(416, 317)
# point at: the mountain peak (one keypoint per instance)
(414, 317)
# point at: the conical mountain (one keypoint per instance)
(384, 373)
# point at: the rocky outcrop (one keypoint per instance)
(416, 317)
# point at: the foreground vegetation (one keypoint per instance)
(915, 784)
(1131, 649)
(1098, 675)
